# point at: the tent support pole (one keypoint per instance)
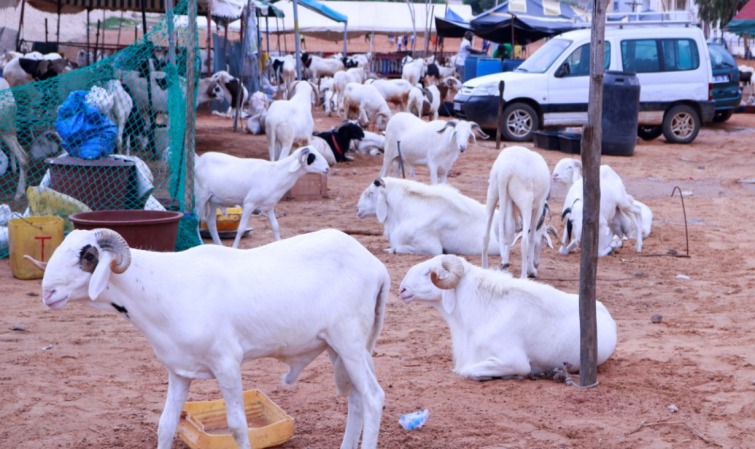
(21, 26)
(297, 43)
(345, 39)
(209, 61)
(60, 10)
(88, 44)
(190, 129)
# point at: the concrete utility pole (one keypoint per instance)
(591, 148)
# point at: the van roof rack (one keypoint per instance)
(646, 18)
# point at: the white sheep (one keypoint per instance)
(290, 122)
(614, 200)
(366, 103)
(371, 144)
(206, 310)
(322, 147)
(424, 101)
(422, 219)
(620, 214)
(321, 66)
(114, 102)
(502, 326)
(341, 79)
(435, 144)
(413, 71)
(520, 181)
(394, 91)
(259, 103)
(222, 180)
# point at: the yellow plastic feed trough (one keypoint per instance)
(203, 424)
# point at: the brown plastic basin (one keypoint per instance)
(152, 230)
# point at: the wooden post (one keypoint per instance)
(591, 142)
(501, 85)
(190, 129)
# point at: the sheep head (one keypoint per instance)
(372, 199)
(80, 267)
(310, 160)
(433, 280)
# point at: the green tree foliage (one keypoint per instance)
(718, 12)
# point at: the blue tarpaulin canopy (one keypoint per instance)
(451, 25)
(325, 10)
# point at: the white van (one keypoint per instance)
(550, 88)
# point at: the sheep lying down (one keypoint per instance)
(502, 326)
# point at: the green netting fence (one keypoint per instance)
(107, 136)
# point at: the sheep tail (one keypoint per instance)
(380, 304)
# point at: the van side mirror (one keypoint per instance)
(562, 71)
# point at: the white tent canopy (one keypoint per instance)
(364, 17)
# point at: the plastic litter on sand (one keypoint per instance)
(414, 420)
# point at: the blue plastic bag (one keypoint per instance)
(85, 132)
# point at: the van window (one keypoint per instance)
(542, 59)
(578, 63)
(659, 55)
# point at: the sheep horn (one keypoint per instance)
(450, 123)
(109, 240)
(551, 230)
(450, 273)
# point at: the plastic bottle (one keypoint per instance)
(414, 420)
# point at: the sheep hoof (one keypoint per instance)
(505, 266)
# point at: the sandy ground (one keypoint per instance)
(80, 378)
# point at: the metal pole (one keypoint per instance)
(501, 85)
(345, 38)
(57, 36)
(87, 59)
(297, 44)
(171, 32)
(21, 25)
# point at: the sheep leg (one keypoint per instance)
(246, 214)
(178, 389)
(20, 155)
(212, 226)
(229, 381)
(490, 204)
(514, 365)
(273, 223)
(366, 398)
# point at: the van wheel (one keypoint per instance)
(681, 124)
(649, 132)
(519, 122)
(722, 116)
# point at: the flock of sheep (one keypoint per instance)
(218, 306)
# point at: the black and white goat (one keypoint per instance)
(234, 92)
(339, 138)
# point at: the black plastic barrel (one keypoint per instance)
(621, 103)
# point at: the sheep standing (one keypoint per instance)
(259, 103)
(207, 309)
(290, 122)
(223, 180)
(365, 101)
(394, 91)
(321, 66)
(520, 181)
(435, 144)
(502, 326)
(422, 219)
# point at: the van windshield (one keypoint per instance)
(542, 59)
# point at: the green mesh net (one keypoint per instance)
(108, 136)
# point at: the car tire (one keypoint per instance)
(519, 122)
(722, 116)
(681, 124)
(649, 132)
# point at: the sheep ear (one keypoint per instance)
(101, 275)
(449, 300)
(381, 208)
